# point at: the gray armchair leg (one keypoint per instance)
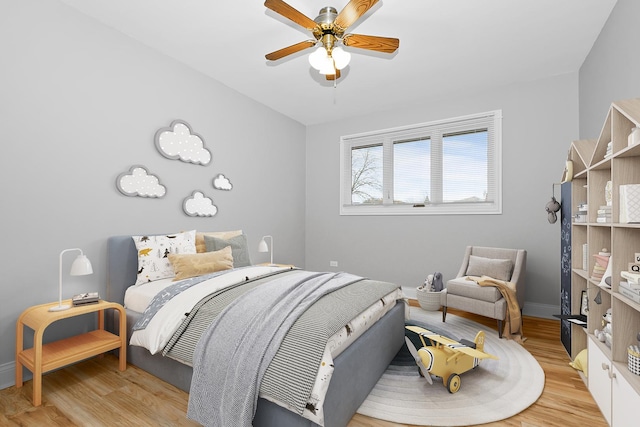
(499, 328)
(444, 312)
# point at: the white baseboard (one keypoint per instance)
(8, 375)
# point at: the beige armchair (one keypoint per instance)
(502, 264)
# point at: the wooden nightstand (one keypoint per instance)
(43, 358)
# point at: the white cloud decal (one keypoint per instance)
(178, 142)
(199, 205)
(221, 182)
(138, 182)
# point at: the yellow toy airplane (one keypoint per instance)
(446, 358)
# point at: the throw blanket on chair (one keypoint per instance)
(234, 353)
(513, 318)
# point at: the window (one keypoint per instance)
(445, 167)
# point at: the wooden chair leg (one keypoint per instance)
(499, 328)
(444, 312)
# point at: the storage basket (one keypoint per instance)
(429, 301)
(634, 361)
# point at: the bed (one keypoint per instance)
(355, 370)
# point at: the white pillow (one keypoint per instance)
(153, 253)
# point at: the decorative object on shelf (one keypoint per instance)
(634, 359)
(630, 203)
(552, 206)
(605, 335)
(81, 266)
(609, 150)
(603, 215)
(608, 193)
(584, 305)
(602, 259)
(581, 212)
(199, 205)
(221, 182)
(262, 247)
(137, 182)
(567, 174)
(179, 142)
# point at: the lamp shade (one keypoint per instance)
(262, 246)
(81, 266)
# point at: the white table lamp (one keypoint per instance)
(80, 267)
(262, 247)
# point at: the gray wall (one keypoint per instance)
(612, 68)
(540, 119)
(79, 104)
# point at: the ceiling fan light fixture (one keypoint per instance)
(340, 57)
(318, 58)
(328, 67)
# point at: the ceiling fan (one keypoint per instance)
(329, 28)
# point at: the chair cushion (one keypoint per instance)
(470, 289)
(500, 269)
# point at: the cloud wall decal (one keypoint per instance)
(221, 182)
(138, 182)
(179, 142)
(199, 205)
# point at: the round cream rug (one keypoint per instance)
(495, 390)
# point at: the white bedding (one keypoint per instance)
(167, 320)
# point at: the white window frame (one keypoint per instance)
(491, 120)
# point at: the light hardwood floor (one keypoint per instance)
(95, 393)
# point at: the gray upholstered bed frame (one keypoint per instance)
(357, 369)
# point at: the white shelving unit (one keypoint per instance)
(613, 386)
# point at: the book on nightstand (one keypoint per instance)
(87, 298)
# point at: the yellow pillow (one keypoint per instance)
(201, 247)
(580, 362)
(191, 265)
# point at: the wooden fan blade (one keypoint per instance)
(335, 76)
(290, 49)
(352, 11)
(380, 44)
(289, 12)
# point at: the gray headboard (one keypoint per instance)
(122, 266)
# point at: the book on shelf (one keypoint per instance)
(86, 298)
(633, 279)
(629, 294)
(632, 288)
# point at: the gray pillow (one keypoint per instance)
(239, 248)
(500, 269)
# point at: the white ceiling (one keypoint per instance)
(447, 47)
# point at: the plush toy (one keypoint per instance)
(552, 207)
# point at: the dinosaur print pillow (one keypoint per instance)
(153, 254)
